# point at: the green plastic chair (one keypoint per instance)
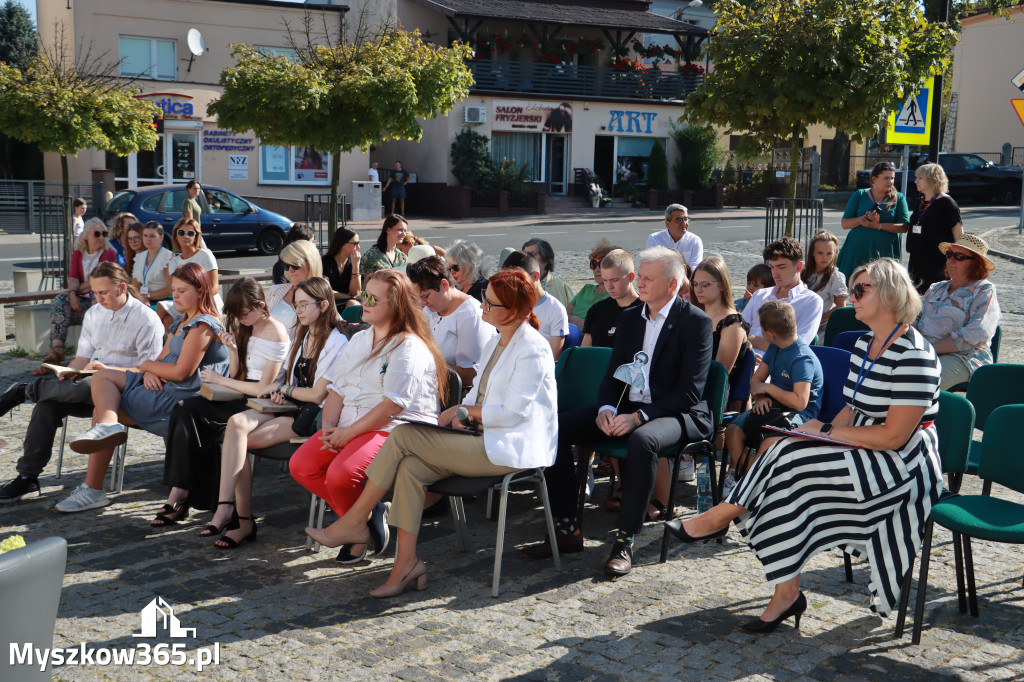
(979, 516)
(994, 347)
(842, 320)
(716, 391)
(578, 374)
(955, 428)
(991, 387)
(353, 314)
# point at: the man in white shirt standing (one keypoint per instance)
(554, 320)
(374, 174)
(120, 332)
(677, 235)
(786, 259)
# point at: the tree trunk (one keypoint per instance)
(69, 234)
(332, 224)
(794, 174)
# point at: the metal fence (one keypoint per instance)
(54, 238)
(316, 210)
(22, 202)
(808, 220)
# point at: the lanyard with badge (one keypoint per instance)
(925, 205)
(865, 368)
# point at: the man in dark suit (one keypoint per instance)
(665, 408)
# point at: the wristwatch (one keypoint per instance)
(826, 429)
(642, 417)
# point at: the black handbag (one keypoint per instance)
(305, 421)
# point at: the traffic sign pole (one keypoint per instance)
(906, 169)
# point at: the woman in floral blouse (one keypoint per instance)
(385, 254)
(960, 315)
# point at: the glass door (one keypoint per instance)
(558, 164)
(174, 161)
(183, 156)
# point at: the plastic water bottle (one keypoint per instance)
(704, 501)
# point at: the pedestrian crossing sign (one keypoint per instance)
(911, 122)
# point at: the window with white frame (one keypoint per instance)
(294, 166)
(269, 51)
(149, 58)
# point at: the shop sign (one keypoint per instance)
(631, 121)
(238, 166)
(547, 117)
(170, 105)
(226, 141)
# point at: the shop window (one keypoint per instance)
(525, 148)
(149, 58)
(631, 159)
(294, 166)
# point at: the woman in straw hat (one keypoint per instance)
(960, 315)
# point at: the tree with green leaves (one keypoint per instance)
(657, 167)
(698, 154)
(65, 104)
(472, 164)
(371, 87)
(781, 66)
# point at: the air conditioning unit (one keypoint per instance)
(474, 115)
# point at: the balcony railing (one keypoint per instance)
(569, 81)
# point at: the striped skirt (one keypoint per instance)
(805, 496)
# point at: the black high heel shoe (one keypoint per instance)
(758, 626)
(675, 526)
(234, 544)
(164, 518)
(211, 530)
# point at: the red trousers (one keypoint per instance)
(337, 477)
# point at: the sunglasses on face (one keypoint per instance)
(487, 304)
(595, 263)
(369, 300)
(99, 233)
(858, 290)
(292, 266)
(187, 233)
(353, 243)
(454, 267)
(957, 256)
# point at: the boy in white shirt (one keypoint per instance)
(786, 259)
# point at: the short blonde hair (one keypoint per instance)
(893, 288)
(934, 175)
(618, 259)
(304, 251)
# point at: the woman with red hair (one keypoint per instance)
(512, 424)
(144, 396)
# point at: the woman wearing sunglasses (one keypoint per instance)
(341, 267)
(187, 244)
(301, 261)
(92, 248)
(512, 425)
(466, 261)
(590, 294)
(869, 495)
(149, 269)
(960, 315)
(258, 346)
(308, 369)
(393, 368)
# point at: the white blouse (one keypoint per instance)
(405, 374)
(261, 351)
(152, 277)
(461, 335)
(325, 361)
(279, 309)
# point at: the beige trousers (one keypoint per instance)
(414, 457)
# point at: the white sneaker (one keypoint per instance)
(686, 471)
(99, 437)
(82, 499)
(729, 483)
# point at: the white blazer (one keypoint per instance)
(520, 410)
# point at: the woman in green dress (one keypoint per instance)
(876, 217)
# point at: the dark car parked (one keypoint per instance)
(970, 177)
(229, 221)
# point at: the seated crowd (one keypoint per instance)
(434, 317)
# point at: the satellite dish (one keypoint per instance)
(196, 45)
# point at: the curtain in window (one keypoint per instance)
(523, 147)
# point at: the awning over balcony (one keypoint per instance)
(547, 19)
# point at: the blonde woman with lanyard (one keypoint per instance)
(149, 272)
(869, 495)
(935, 221)
(315, 348)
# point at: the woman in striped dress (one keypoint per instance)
(805, 496)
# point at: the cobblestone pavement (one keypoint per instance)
(279, 612)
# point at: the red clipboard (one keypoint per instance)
(810, 436)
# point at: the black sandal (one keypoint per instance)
(163, 516)
(229, 543)
(663, 513)
(211, 530)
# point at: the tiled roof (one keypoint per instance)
(563, 14)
